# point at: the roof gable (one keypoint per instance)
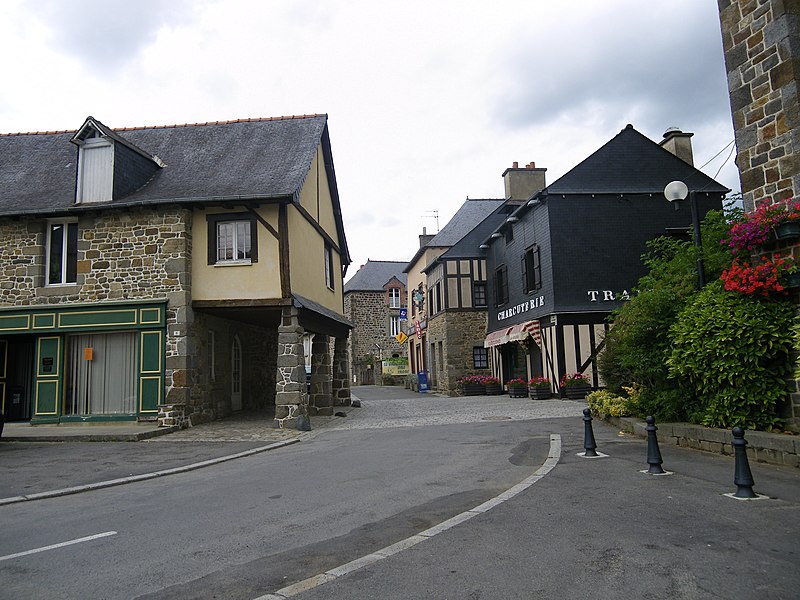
(631, 163)
(375, 275)
(231, 160)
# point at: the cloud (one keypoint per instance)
(105, 35)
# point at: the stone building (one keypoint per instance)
(373, 301)
(762, 57)
(171, 270)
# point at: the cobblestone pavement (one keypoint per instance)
(382, 408)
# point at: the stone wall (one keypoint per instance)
(369, 313)
(761, 55)
(459, 332)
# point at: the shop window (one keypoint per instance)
(62, 253)
(480, 358)
(531, 269)
(102, 374)
(501, 285)
(232, 239)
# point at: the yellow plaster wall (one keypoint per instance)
(259, 280)
(315, 195)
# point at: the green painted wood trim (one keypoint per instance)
(46, 397)
(97, 318)
(44, 321)
(15, 322)
(48, 357)
(37, 420)
(150, 390)
(150, 352)
(83, 318)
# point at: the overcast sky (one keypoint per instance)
(428, 101)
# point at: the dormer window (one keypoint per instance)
(95, 170)
(109, 166)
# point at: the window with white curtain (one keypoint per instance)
(102, 374)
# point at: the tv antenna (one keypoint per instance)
(432, 214)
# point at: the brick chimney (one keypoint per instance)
(522, 183)
(679, 143)
(425, 238)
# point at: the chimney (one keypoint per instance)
(678, 143)
(425, 238)
(522, 183)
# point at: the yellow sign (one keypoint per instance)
(401, 337)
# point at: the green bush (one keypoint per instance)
(608, 403)
(731, 350)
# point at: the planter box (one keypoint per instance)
(538, 393)
(518, 392)
(474, 389)
(577, 392)
(793, 281)
(493, 389)
(788, 230)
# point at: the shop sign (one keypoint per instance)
(419, 330)
(607, 295)
(520, 308)
(403, 314)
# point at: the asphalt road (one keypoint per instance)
(248, 528)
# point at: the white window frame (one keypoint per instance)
(328, 258)
(394, 325)
(239, 256)
(65, 223)
(394, 297)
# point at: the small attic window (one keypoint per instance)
(95, 170)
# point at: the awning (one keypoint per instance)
(496, 338)
(521, 332)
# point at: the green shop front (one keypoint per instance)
(82, 362)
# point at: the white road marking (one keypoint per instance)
(61, 545)
(295, 589)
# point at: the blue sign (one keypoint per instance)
(403, 314)
(422, 376)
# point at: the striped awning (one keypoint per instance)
(523, 331)
(496, 338)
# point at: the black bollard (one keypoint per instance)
(653, 453)
(589, 444)
(742, 476)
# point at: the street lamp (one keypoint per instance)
(677, 190)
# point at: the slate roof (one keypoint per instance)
(257, 158)
(467, 217)
(251, 159)
(468, 246)
(631, 163)
(372, 276)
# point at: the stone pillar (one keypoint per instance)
(291, 400)
(321, 375)
(341, 373)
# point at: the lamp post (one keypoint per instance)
(677, 190)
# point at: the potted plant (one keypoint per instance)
(575, 385)
(492, 385)
(787, 220)
(472, 385)
(517, 388)
(539, 388)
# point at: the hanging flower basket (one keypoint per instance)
(793, 281)
(788, 230)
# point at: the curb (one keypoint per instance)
(143, 477)
(91, 437)
(771, 448)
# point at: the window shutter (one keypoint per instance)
(526, 287)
